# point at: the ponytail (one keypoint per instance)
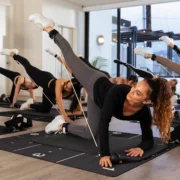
(160, 95)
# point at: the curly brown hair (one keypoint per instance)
(160, 95)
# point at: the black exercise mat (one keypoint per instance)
(93, 160)
(32, 135)
(7, 104)
(3, 130)
(16, 143)
(122, 134)
(26, 147)
(91, 163)
(83, 145)
(45, 117)
(47, 153)
(51, 114)
(80, 160)
(33, 117)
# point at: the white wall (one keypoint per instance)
(2, 20)
(19, 33)
(63, 14)
(3, 79)
(26, 37)
(3, 84)
(101, 24)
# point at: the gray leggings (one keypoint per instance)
(87, 77)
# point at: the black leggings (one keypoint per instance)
(41, 78)
(141, 73)
(11, 75)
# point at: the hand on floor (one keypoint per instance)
(134, 152)
(105, 161)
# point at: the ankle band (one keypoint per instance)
(64, 128)
(53, 33)
(153, 57)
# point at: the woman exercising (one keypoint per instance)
(175, 134)
(53, 89)
(107, 100)
(19, 83)
(131, 81)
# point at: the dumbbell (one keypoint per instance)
(116, 158)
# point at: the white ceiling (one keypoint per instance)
(92, 5)
(86, 3)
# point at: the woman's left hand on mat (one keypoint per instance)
(105, 161)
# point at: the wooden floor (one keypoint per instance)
(17, 167)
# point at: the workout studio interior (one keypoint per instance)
(89, 89)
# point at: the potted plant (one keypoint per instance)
(99, 62)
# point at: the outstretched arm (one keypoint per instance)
(17, 89)
(31, 92)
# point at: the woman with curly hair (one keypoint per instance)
(107, 100)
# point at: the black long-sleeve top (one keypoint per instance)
(110, 98)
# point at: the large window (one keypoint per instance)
(135, 17)
(151, 20)
(166, 17)
(163, 18)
